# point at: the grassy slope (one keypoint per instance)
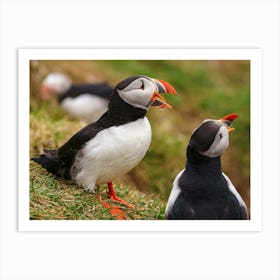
(52, 198)
(205, 90)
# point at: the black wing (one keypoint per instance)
(101, 90)
(234, 211)
(181, 210)
(237, 197)
(59, 161)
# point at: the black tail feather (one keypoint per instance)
(52, 165)
(47, 163)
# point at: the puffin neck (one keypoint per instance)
(119, 109)
(201, 162)
(62, 96)
(202, 176)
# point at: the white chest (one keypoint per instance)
(86, 107)
(112, 153)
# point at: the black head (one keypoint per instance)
(54, 84)
(211, 137)
(142, 92)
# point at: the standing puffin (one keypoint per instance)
(202, 191)
(87, 102)
(116, 143)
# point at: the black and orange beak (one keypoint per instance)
(228, 119)
(162, 87)
(43, 91)
(46, 92)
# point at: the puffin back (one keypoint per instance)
(102, 90)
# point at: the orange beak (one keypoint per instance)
(161, 87)
(46, 92)
(228, 119)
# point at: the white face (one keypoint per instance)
(211, 137)
(57, 83)
(219, 144)
(138, 93)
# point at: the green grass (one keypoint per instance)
(206, 89)
(56, 199)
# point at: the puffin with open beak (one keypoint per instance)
(202, 191)
(116, 143)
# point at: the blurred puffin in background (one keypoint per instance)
(86, 102)
(202, 191)
(114, 144)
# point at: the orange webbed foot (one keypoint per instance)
(114, 197)
(114, 211)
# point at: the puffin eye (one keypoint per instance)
(142, 86)
(221, 135)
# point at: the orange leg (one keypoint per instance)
(114, 197)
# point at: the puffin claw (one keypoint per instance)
(114, 211)
(114, 197)
(122, 201)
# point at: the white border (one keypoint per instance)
(254, 55)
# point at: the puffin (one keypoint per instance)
(110, 147)
(202, 191)
(86, 102)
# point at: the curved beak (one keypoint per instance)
(161, 87)
(46, 92)
(43, 91)
(228, 119)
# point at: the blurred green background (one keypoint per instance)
(205, 89)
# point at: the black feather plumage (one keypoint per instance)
(102, 90)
